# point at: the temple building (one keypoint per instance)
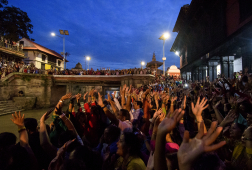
(78, 67)
(42, 57)
(153, 65)
(214, 37)
(173, 71)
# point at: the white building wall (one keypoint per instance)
(238, 64)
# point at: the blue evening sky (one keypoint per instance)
(115, 34)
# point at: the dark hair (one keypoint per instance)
(241, 127)
(114, 132)
(6, 140)
(208, 161)
(31, 124)
(72, 164)
(132, 144)
(125, 113)
(16, 158)
(91, 159)
(139, 103)
(66, 136)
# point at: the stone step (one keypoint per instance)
(7, 104)
(8, 108)
(9, 112)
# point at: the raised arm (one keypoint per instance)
(190, 150)
(172, 104)
(112, 104)
(44, 138)
(197, 111)
(110, 115)
(166, 126)
(23, 137)
(217, 112)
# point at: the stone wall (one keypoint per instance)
(32, 85)
(26, 103)
(47, 90)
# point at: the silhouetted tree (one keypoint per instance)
(14, 23)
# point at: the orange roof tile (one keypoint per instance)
(43, 49)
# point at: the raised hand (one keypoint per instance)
(100, 102)
(231, 116)
(183, 105)
(168, 124)
(114, 94)
(217, 104)
(173, 99)
(199, 107)
(190, 150)
(158, 112)
(67, 96)
(78, 96)
(18, 119)
(109, 98)
(46, 115)
(84, 96)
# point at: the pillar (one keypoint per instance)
(227, 66)
(204, 73)
(212, 70)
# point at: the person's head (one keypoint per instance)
(123, 115)
(137, 105)
(90, 159)
(16, 158)
(65, 137)
(31, 125)
(6, 140)
(247, 135)
(128, 144)
(236, 130)
(209, 161)
(111, 134)
(72, 164)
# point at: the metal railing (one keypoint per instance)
(17, 48)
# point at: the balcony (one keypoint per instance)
(11, 49)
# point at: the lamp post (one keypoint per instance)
(85, 62)
(62, 32)
(88, 58)
(142, 64)
(164, 37)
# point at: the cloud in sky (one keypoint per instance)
(115, 34)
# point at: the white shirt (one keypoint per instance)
(125, 126)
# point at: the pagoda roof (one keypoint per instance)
(78, 66)
(154, 62)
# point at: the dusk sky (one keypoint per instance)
(115, 34)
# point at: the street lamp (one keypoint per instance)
(164, 37)
(62, 32)
(88, 58)
(142, 64)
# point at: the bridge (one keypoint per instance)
(47, 89)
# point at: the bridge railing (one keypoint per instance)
(75, 76)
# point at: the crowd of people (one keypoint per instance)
(10, 66)
(101, 72)
(185, 125)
